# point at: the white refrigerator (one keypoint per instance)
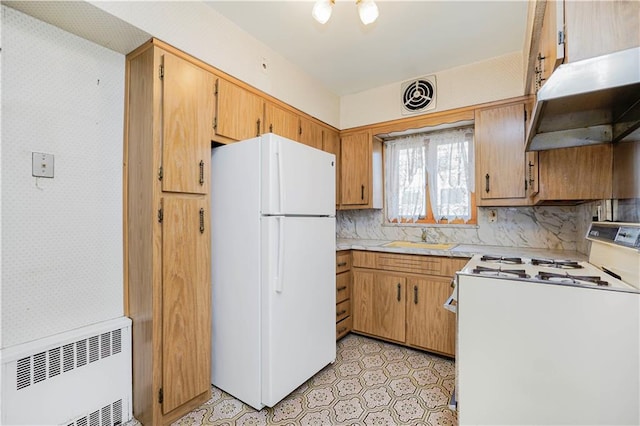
(273, 267)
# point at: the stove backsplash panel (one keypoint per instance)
(552, 227)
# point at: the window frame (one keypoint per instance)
(430, 219)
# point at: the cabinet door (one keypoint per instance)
(310, 133)
(187, 110)
(429, 325)
(378, 304)
(596, 28)
(355, 156)
(331, 143)
(238, 113)
(579, 173)
(551, 47)
(500, 157)
(280, 121)
(186, 300)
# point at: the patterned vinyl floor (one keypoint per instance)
(371, 383)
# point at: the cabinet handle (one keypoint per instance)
(344, 287)
(486, 183)
(270, 128)
(202, 221)
(342, 264)
(342, 312)
(362, 192)
(415, 294)
(258, 127)
(201, 172)
(398, 292)
(342, 330)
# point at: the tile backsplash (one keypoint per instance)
(552, 227)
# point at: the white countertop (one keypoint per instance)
(460, 250)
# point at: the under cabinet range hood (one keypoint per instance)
(588, 102)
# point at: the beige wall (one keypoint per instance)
(205, 34)
(491, 80)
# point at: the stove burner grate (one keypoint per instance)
(483, 270)
(501, 259)
(560, 264)
(550, 276)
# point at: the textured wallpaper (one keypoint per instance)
(61, 237)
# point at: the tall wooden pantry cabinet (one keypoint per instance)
(169, 114)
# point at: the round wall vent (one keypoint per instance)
(418, 95)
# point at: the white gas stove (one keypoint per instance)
(545, 271)
(552, 341)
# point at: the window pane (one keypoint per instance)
(412, 184)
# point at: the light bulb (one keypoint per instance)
(368, 11)
(322, 10)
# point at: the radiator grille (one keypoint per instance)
(109, 415)
(44, 365)
(24, 372)
(93, 349)
(39, 367)
(81, 353)
(67, 358)
(54, 362)
(117, 341)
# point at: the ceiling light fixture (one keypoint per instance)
(367, 10)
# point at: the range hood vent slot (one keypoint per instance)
(588, 102)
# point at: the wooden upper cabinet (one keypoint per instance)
(626, 173)
(500, 155)
(579, 173)
(280, 121)
(310, 133)
(355, 168)
(239, 113)
(595, 28)
(186, 321)
(551, 45)
(187, 109)
(331, 143)
(430, 326)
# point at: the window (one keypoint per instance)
(429, 178)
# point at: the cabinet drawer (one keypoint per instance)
(343, 286)
(364, 259)
(343, 262)
(450, 266)
(343, 310)
(409, 263)
(343, 327)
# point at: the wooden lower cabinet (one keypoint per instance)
(392, 301)
(186, 301)
(430, 326)
(379, 304)
(343, 293)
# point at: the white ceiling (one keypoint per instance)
(409, 39)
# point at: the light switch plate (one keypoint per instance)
(42, 165)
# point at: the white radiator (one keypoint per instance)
(78, 378)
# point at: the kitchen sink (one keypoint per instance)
(421, 245)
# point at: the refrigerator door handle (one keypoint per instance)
(280, 271)
(280, 177)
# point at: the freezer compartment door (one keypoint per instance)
(296, 179)
(298, 304)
